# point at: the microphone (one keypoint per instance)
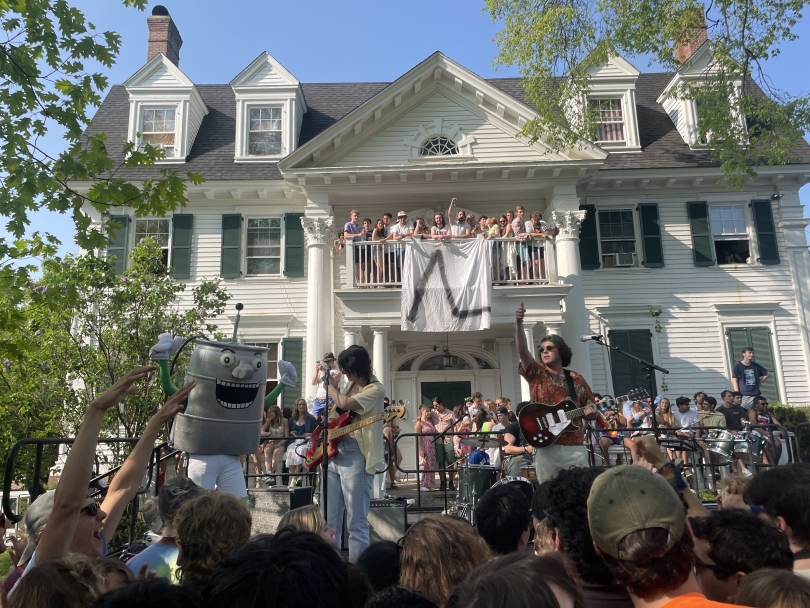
(589, 338)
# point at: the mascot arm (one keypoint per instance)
(160, 352)
(288, 376)
(166, 379)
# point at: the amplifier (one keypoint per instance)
(268, 506)
(386, 521)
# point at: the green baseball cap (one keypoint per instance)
(630, 498)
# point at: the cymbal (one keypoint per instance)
(483, 442)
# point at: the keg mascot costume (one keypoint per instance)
(222, 419)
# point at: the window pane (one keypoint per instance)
(261, 143)
(608, 119)
(728, 220)
(264, 246)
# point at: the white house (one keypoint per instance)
(651, 253)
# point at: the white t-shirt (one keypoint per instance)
(684, 420)
(401, 230)
(321, 392)
(459, 228)
(530, 230)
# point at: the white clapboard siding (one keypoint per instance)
(161, 77)
(691, 344)
(388, 146)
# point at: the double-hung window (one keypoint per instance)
(617, 238)
(730, 234)
(263, 246)
(159, 230)
(158, 129)
(264, 132)
(609, 120)
(272, 358)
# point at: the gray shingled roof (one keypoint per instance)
(213, 151)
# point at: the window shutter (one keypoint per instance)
(293, 245)
(737, 339)
(651, 235)
(627, 373)
(763, 354)
(231, 255)
(181, 245)
(702, 241)
(292, 350)
(589, 240)
(118, 242)
(766, 232)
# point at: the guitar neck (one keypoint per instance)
(345, 430)
(580, 411)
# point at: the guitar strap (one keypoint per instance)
(571, 390)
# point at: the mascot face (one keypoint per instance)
(224, 412)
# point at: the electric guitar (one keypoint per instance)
(339, 428)
(542, 424)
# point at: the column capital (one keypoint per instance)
(380, 329)
(503, 340)
(569, 223)
(318, 230)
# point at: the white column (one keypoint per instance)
(317, 231)
(528, 329)
(349, 336)
(552, 330)
(379, 356)
(508, 368)
(569, 269)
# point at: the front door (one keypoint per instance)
(452, 393)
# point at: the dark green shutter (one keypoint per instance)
(766, 232)
(292, 350)
(589, 240)
(651, 235)
(293, 245)
(231, 255)
(627, 373)
(118, 241)
(181, 245)
(701, 226)
(758, 338)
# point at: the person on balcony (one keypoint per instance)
(379, 235)
(522, 239)
(401, 230)
(353, 228)
(420, 228)
(509, 251)
(458, 229)
(540, 231)
(440, 231)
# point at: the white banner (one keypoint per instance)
(447, 286)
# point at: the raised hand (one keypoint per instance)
(174, 404)
(123, 387)
(520, 313)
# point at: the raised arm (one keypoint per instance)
(71, 492)
(526, 358)
(126, 482)
(450, 209)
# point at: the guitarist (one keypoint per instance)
(550, 383)
(351, 472)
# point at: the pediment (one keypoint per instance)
(437, 97)
(158, 73)
(700, 63)
(616, 68)
(264, 71)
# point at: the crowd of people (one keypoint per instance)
(520, 258)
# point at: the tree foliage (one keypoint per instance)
(51, 68)
(555, 42)
(87, 326)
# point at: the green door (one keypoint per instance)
(452, 393)
(758, 338)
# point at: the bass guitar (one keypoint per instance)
(543, 424)
(339, 428)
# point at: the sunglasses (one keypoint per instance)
(548, 349)
(92, 509)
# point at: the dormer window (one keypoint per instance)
(609, 120)
(264, 135)
(438, 146)
(158, 129)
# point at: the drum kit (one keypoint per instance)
(745, 445)
(474, 480)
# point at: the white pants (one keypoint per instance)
(551, 460)
(218, 470)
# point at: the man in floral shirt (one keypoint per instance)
(548, 384)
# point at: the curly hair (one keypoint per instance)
(209, 529)
(567, 512)
(435, 575)
(565, 351)
(70, 582)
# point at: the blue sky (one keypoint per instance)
(320, 41)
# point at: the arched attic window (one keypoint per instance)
(438, 146)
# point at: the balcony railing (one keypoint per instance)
(371, 264)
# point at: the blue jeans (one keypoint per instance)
(349, 489)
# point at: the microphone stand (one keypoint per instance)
(648, 368)
(324, 435)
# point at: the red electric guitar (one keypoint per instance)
(542, 424)
(339, 428)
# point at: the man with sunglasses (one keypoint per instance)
(550, 383)
(76, 522)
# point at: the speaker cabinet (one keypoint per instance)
(268, 506)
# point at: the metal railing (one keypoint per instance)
(374, 264)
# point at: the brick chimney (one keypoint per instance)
(694, 41)
(163, 36)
